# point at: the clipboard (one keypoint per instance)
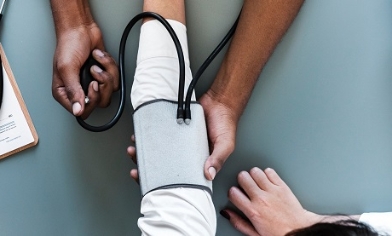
(17, 131)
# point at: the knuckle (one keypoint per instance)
(63, 66)
(231, 192)
(254, 170)
(237, 225)
(109, 79)
(106, 59)
(70, 91)
(231, 146)
(253, 214)
(218, 162)
(106, 79)
(241, 175)
(116, 84)
(55, 94)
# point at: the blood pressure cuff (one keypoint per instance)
(169, 154)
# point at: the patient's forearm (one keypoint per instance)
(170, 10)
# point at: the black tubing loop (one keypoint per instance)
(177, 44)
(123, 42)
(115, 118)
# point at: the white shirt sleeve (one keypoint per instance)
(381, 222)
(177, 211)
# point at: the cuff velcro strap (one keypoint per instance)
(170, 154)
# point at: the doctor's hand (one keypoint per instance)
(268, 203)
(74, 45)
(221, 128)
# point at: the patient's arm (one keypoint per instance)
(170, 194)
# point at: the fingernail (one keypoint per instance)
(76, 108)
(99, 53)
(225, 214)
(97, 69)
(212, 172)
(95, 86)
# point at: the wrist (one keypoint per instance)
(232, 86)
(336, 218)
(71, 14)
(90, 31)
(304, 220)
(233, 110)
(313, 218)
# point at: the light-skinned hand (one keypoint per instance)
(268, 203)
(131, 150)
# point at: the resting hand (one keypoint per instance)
(74, 46)
(268, 203)
(221, 128)
(131, 150)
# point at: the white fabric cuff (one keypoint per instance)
(380, 221)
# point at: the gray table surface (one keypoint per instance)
(321, 115)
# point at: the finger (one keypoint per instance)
(222, 150)
(60, 95)
(92, 99)
(133, 138)
(239, 223)
(132, 153)
(248, 184)
(131, 150)
(239, 199)
(69, 75)
(105, 87)
(274, 177)
(110, 66)
(134, 175)
(261, 178)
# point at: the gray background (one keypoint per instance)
(321, 115)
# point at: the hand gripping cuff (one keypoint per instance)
(169, 154)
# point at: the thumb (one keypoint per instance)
(222, 148)
(74, 91)
(77, 98)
